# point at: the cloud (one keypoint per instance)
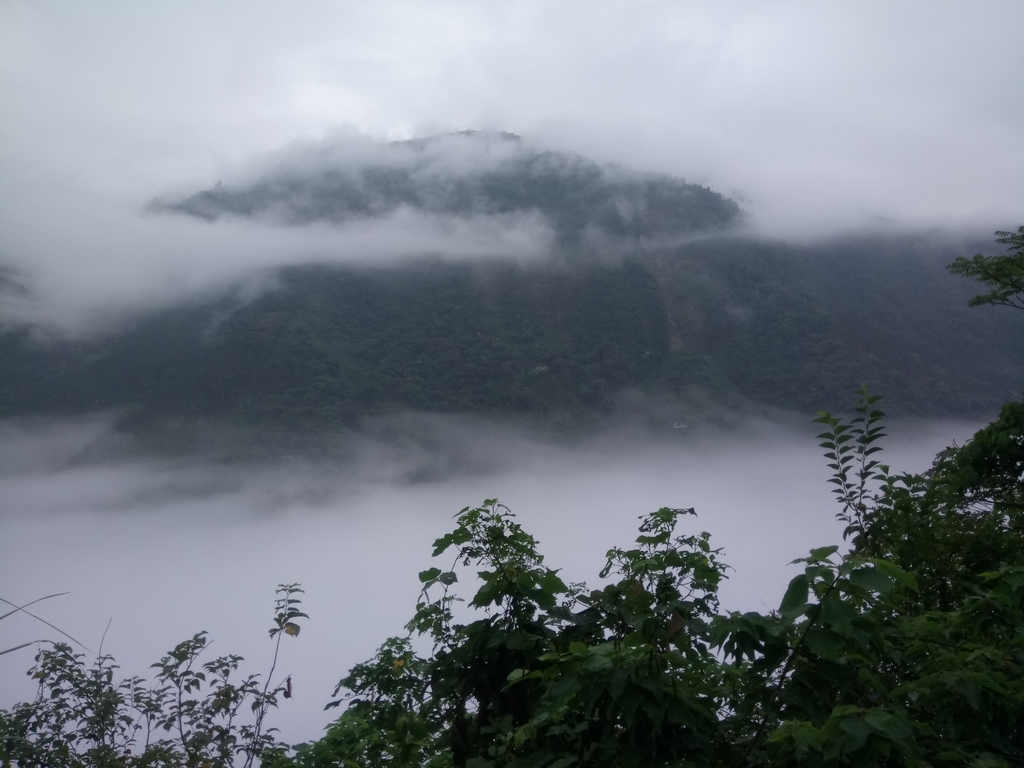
(167, 548)
(824, 118)
(97, 266)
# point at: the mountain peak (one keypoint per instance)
(463, 174)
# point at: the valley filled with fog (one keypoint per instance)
(284, 289)
(163, 548)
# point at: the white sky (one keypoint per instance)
(817, 117)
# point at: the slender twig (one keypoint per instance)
(254, 744)
(26, 605)
(44, 621)
(19, 647)
(104, 637)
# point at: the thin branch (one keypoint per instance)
(26, 605)
(19, 647)
(37, 618)
(104, 637)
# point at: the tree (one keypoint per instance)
(83, 718)
(907, 649)
(865, 663)
(1005, 274)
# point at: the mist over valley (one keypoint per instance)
(648, 290)
(321, 422)
(283, 292)
(164, 548)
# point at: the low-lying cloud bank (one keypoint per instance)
(78, 261)
(104, 266)
(167, 548)
(85, 261)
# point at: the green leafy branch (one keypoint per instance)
(1005, 274)
(849, 447)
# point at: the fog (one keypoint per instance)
(165, 548)
(816, 119)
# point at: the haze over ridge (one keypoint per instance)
(867, 144)
(814, 120)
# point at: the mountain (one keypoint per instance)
(720, 321)
(684, 315)
(467, 174)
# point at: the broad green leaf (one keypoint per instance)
(429, 575)
(893, 571)
(795, 599)
(872, 579)
(823, 553)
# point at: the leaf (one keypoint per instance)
(429, 575)
(825, 642)
(448, 578)
(893, 571)
(836, 612)
(661, 538)
(823, 553)
(858, 731)
(795, 599)
(871, 580)
(292, 629)
(552, 583)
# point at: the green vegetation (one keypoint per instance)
(469, 174)
(907, 649)
(726, 322)
(82, 717)
(648, 295)
(1005, 274)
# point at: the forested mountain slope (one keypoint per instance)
(719, 321)
(647, 294)
(463, 175)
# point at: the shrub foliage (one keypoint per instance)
(907, 649)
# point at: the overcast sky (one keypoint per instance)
(816, 117)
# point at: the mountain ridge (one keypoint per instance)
(717, 321)
(684, 310)
(465, 174)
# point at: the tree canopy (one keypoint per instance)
(1005, 274)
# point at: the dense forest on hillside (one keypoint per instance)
(720, 321)
(649, 296)
(469, 174)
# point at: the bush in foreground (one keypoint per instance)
(907, 649)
